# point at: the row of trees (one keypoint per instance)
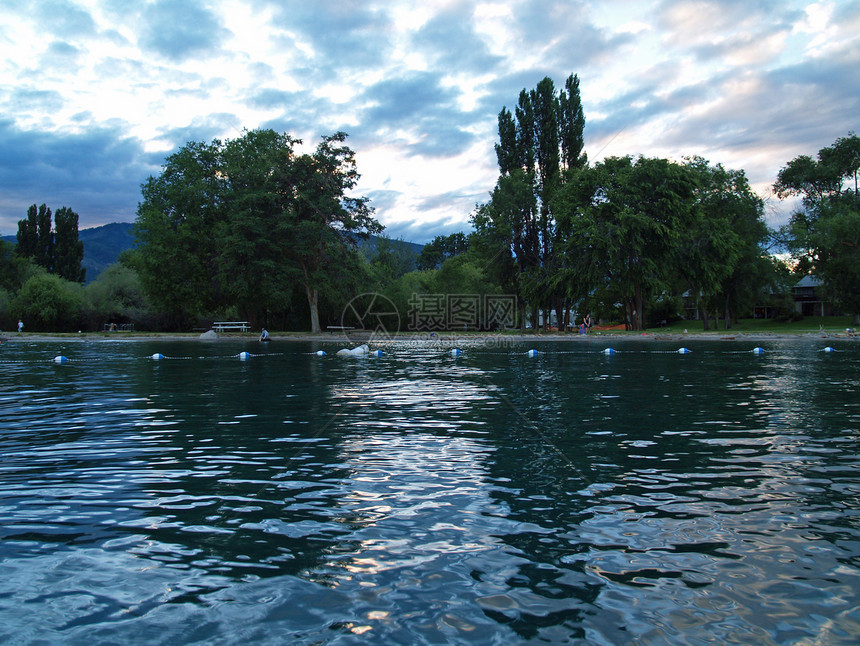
(253, 229)
(625, 231)
(52, 242)
(48, 302)
(41, 276)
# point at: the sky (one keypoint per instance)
(95, 94)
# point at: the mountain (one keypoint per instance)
(103, 245)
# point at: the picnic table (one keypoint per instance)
(223, 326)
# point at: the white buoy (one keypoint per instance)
(533, 353)
(829, 349)
(758, 350)
(320, 353)
(456, 352)
(609, 351)
(244, 356)
(360, 351)
(157, 356)
(61, 359)
(684, 350)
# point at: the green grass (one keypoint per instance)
(806, 325)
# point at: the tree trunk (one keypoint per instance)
(728, 314)
(313, 303)
(558, 314)
(706, 317)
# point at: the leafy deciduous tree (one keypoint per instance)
(822, 236)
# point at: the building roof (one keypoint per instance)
(808, 281)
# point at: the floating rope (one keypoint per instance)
(363, 351)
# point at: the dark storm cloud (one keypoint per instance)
(97, 173)
(180, 30)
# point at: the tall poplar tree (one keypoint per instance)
(28, 234)
(52, 241)
(45, 246)
(540, 144)
(68, 249)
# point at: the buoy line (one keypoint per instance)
(365, 351)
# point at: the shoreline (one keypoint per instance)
(445, 338)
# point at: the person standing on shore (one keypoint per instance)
(20, 326)
(587, 322)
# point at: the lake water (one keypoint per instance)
(646, 497)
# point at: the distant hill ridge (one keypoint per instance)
(104, 244)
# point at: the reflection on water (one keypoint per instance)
(643, 497)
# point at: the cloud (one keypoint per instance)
(26, 99)
(419, 112)
(450, 41)
(62, 19)
(181, 30)
(747, 83)
(422, 232)
(98, 173)
(337, 35)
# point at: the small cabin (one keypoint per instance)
(808, 298)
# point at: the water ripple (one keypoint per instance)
(418, 498)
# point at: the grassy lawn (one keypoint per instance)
(831, 324)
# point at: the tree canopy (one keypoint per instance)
(824, 235)
(52, 241)
(238, 225)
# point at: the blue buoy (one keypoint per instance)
(829, 349)
(684, 350)
(376, 353)
(533, 353)
(61, 359)
(244, 356)
(320, 353)
(157, 356)
(609, 351)
(758, 350)
(456, 352)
